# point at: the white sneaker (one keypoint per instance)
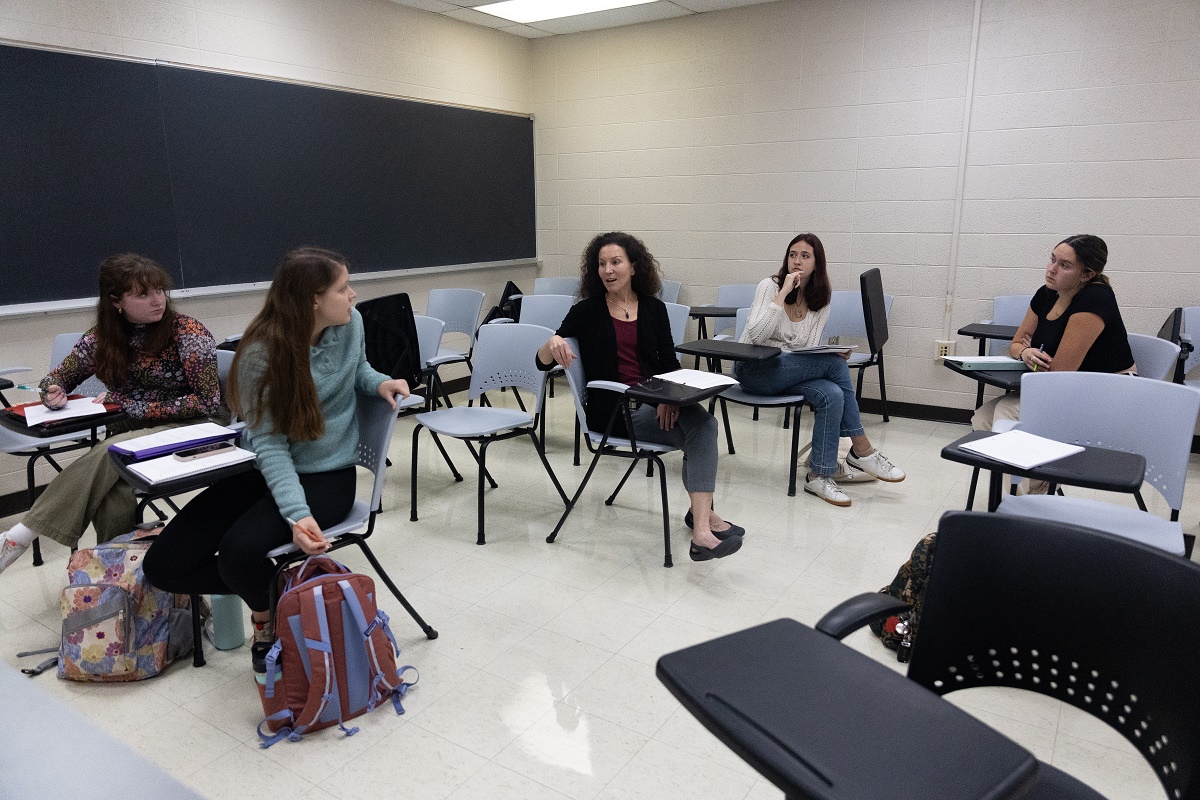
(848, 474)
(876, 464)
(10, 551)
(824, 487)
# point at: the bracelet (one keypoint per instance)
(1021, 355)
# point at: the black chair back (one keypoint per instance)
(1097, 621)
(874, 309)
(1172, 331)
(391, 337)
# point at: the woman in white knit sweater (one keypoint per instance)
(790, 311)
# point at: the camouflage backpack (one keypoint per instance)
(899, 632)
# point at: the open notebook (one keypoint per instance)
(168, 468)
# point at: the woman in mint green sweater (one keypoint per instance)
(295, 381)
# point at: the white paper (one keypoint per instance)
(81, 407)
(181, 435)
(697, 379)
(1021, 449)
(988, 362)
(166, 468)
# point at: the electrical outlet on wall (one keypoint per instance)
(943, 348)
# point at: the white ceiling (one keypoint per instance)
(660, 9)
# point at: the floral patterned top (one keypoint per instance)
(178, 383)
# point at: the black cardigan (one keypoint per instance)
(590, 323)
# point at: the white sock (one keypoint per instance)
(19, 534)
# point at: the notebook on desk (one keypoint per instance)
(1021, 449)
(169, 468)
(988, 362)
(35, 413)
(169, 441)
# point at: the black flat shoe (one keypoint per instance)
(732, 530)
(727, 547)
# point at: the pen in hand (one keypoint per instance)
(1035, 366)
(316, 539)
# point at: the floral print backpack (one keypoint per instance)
(115, 625)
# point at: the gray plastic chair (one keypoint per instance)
(376, 421)
(555, 285)
(732, 295)
(505, 356)
(1050, 407)
(677, 315)
(790, 403)
(1155, 358)
(547, 310)
(613, 446)
(669, 293)
(1007, 309)
(459, 310)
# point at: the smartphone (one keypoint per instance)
(203, 451)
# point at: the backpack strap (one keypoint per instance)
(378, 676)
(322, 687)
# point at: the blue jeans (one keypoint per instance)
(824, 380)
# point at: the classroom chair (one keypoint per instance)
(1096, 621)
(863, 315)
(669, 293)
(459, 310)
(1162, 434)
(556, 285)
(505, 357)
(1007, 309)
(1155, 358)
(731, 295)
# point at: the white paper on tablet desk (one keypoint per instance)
(80, 407)
(167, 468)
(697, 379)
(1021, 449)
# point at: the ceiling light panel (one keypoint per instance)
(527, 11)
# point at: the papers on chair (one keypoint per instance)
(1021, 449)
(697, 379)
(988, 362)
(37, 414)
(169, 468)
(169, 441)
(826, 348)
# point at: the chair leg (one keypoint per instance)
(1141, 502)
(31, 489)
(971, 491)
(725, 422)
(578, 435)
(754, 416)
(662, 488)
(412, 476)
(787, 418)
(1189, 541)
(446, 456)
(387, 581)
(541, 451)
(479, 539)
(475, 455)
(795, 453)
(612, 497)
(517, 397)
(575, 498)
(37, 551)
(197, 633)
(882, 389)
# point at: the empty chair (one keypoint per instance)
(546, 310)
(1095, 408)
(556, 285)
(731, 295)
(1007, 309)
(678, 316)
(459, 310)
(1155, 358)
(863, 315)
(809, 713)
(1191, 335)
(669, 293)
(506, 357)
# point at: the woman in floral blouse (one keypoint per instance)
(160, 367)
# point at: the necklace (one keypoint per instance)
(618, 305)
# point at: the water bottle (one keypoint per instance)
(228, 630)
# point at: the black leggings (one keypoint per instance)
(218, 542)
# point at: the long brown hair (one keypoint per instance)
(120, 275)
(646, 279)
(285, 328)
(817, 291)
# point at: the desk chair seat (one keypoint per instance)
(1131, 523)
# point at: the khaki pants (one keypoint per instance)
(1006, 406)
(89, 490)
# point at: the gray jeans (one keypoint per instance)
(695, 432)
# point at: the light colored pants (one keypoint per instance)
(89, 490)
(1007, 406)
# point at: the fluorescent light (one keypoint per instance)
(525, 11)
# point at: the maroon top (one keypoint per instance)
(629, 371)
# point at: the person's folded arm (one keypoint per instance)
(1078, 337)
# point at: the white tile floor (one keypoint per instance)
(542, 682)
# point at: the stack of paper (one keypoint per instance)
(818, 349)
(697, 379)
(988, 362)
(169, 468)
(1021, 449)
